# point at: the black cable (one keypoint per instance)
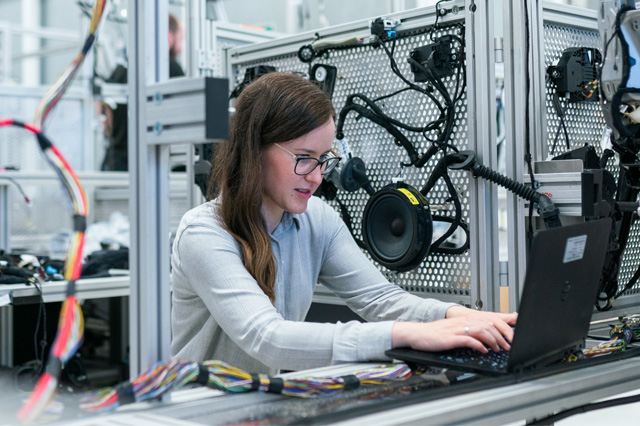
(447, 111)
(458, 250)
(585, 409)
(440, 171)
(42, 314)
(400, 138)
(528, 157)
(435, 24)
(458, 214)
(548, 211)
(397, 72)
(560, 112)
(450, 106)
(378, 111)
(397, 92)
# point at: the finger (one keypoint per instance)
(505, 329)
(511, 318)
(501, 341)
(491, 336)
(481, 331)
(473, 343)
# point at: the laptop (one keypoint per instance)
(560, 288)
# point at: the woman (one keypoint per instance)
(246, 263)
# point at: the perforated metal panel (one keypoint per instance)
(366, 70)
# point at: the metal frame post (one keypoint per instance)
(149, 208)
(482, 137)
(518, 73)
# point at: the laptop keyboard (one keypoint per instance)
(470, 357)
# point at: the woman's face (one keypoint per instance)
(283, 189)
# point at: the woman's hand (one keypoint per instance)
(462, 327)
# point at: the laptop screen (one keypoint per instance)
(563, 274)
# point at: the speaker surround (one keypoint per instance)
(397, 227)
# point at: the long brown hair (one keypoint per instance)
(277, 107)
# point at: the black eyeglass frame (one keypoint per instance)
(330, 162)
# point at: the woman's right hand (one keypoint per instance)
(462, 331)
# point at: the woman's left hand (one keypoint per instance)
(502, 322)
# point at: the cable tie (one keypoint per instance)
(203, 375)
(71, 288)
(79, 223)
(351, 381)
(43, 142)
(276, 385)
(54, 367)
(255, 383)
(125, 393)
(87, 44)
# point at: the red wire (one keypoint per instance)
(35, 396)
(63, 337)
(31, 128)
(9, 122)
(77, 264)
(112, 400)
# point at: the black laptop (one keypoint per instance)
(561, 284)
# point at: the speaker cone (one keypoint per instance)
(397, 227)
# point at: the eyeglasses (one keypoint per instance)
(305, 165)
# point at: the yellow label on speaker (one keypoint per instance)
(410, 196)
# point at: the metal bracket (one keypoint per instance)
(187, 110)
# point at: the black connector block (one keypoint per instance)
(576, 74)
(442, 57)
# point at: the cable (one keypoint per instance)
(17, 185)
(585, 409)
(443, 124)
(528, 157)
(164, 377)
(57, 90)
(560, 112)
(42, 315)
(71, 323)
(435, 24)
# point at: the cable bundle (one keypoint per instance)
(71, 323)
(162, 378)
(620, 337)
(55, 93)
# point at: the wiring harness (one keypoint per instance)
(438, 131)
(71, 323)
(430, 64)
(164, 377)
(621, 336)
(57, 90)
(70, 331)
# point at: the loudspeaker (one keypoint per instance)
(397, 227)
